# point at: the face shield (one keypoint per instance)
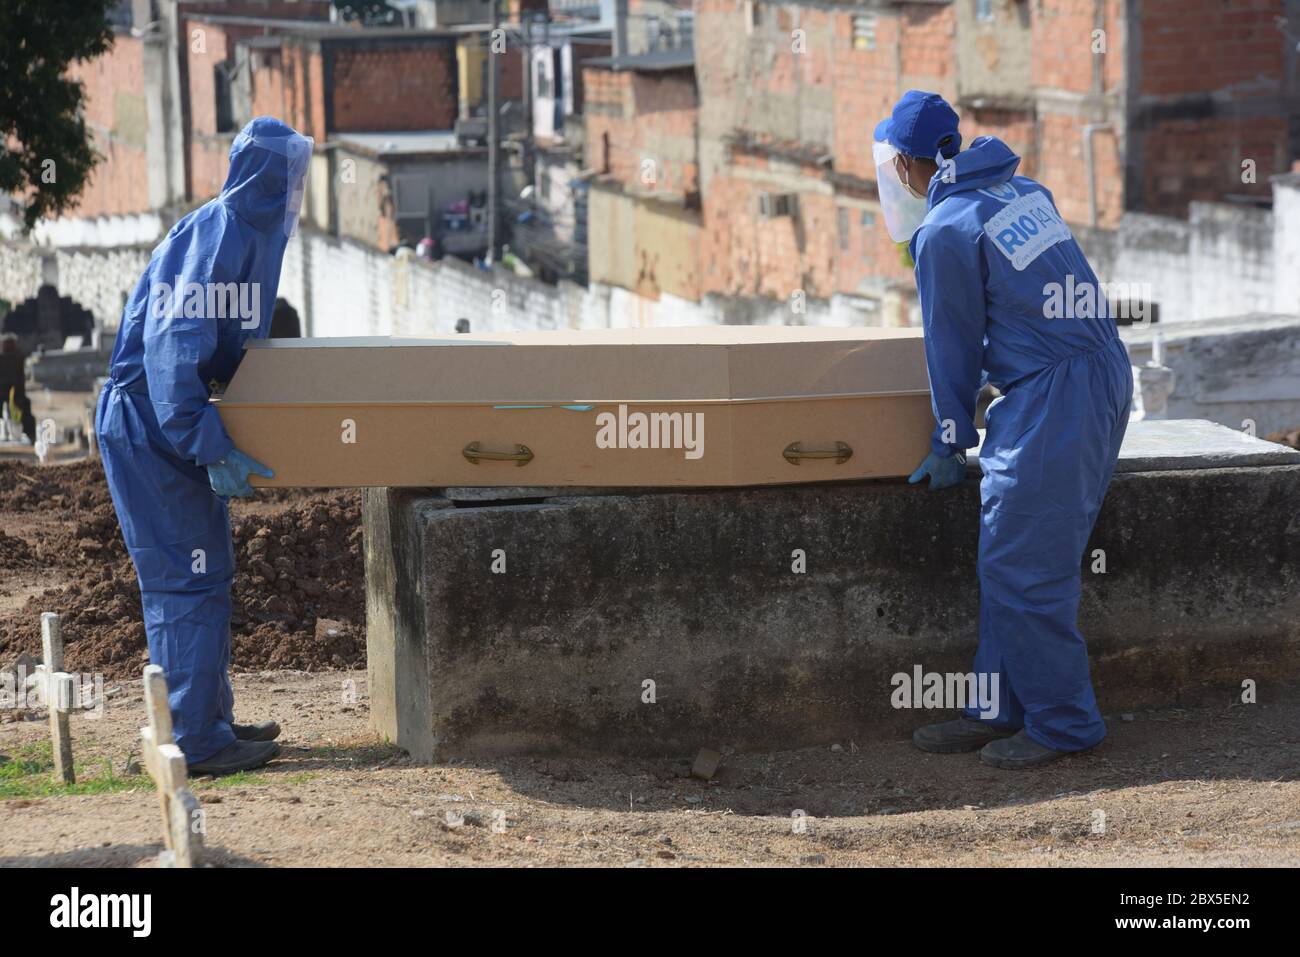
(296, 151)
(902, 209)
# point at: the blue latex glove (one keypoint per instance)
(229, 477)
(943, 472)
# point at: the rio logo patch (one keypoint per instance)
(1002, 192)
(1027, 226)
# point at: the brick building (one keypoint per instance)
(1118, 106)
(322, 80)
(117, 110)
(643, 212)
(164, 103)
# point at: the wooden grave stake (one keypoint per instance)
(58, 696)
(166, 765)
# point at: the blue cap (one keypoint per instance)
(922, 124)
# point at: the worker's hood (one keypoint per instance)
(268, 169)
(986, 162)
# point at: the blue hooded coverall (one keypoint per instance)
(157, 431)
(986, 253)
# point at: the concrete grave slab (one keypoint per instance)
(1161, 444)
(665, 621)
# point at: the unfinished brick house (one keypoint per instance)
(643, 203)
(321, 80)
(143, 94)
(164, 103)
(1116, 105)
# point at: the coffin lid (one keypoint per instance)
(706, 363)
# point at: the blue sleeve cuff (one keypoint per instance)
(211, 442)
(942, 449)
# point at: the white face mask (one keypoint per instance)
(902, 207)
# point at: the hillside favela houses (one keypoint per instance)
(632, 179)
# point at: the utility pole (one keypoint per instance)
(494, 137)
(620, 28)
(527, 18)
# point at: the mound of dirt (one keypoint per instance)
(295, 567)
(1289, 437)
(75, 487)
(298, 558)
(15, 553)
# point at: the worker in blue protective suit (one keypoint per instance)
(210, 286)
(994, 263)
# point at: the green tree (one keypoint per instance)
(45, 155)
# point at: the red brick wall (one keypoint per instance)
(209, 163)
(310, 94)
(1191, 46)
(647, 116)
(1014, 127)
(115, 114)
(1061, 34)
(926, 57)
(1200, 159)
(372, 87)
(268, 83)
(744, 255)
(866, 86)
(396, 88)
(867, 253)
(204, 45)
(1063, 171)
(609, 102)
(302, 84)
(1233, 51)
(579, 52)
(510, 76)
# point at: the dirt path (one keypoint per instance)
(1209, 786)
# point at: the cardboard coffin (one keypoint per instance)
(721, 405)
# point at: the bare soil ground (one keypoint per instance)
(1209, 786)
(299, 589)
(1179, 787)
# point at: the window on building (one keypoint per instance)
(778, 205)
(864, 31)
(221, 85)
(842, 226)
(411, 206)
(984, 10)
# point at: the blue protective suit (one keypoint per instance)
(987, 253)
(157, 430)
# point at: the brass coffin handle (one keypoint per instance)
(521, 456)
(841, 453)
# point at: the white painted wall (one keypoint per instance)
(1244, 369)
(1231, 260)
(1286, 243)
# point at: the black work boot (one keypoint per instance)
(953, 737)
(262, 731)
(1019, 752)
(238, 756)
